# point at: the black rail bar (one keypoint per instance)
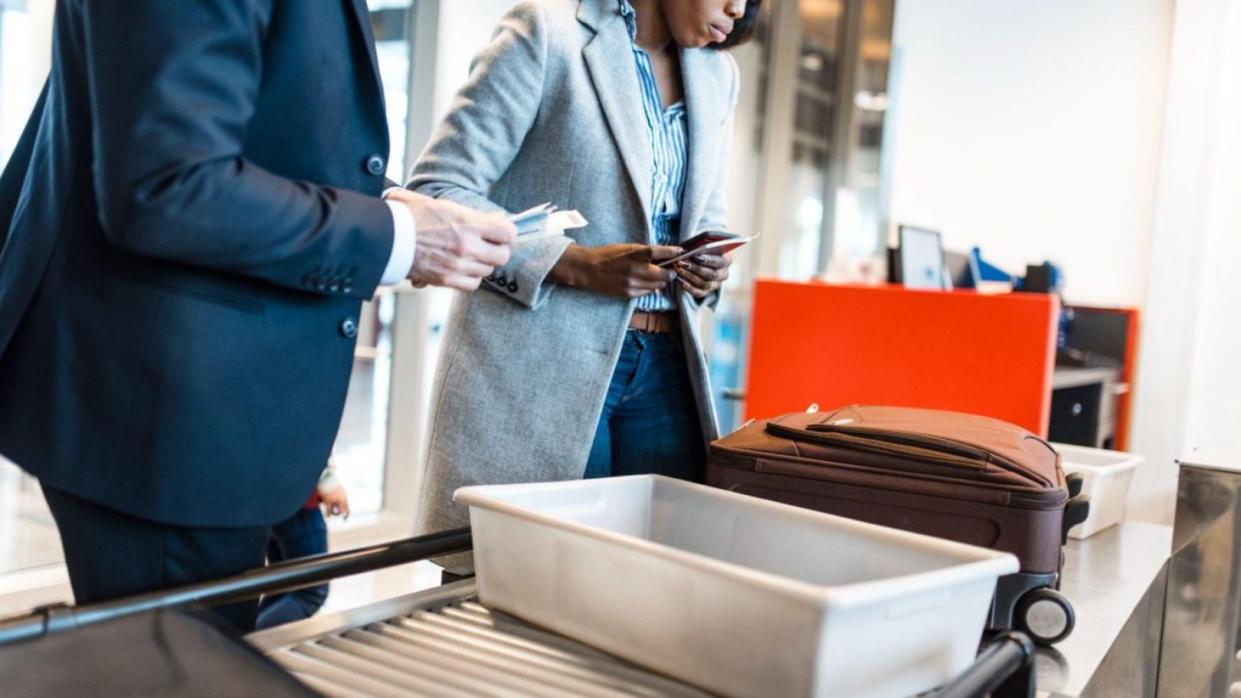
(285, 576)
(1005, 669)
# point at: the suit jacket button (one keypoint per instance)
(375, 165)
(349, 328)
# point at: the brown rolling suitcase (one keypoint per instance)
(958, 476)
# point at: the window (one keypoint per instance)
(361, 444)
(824, 96)
(19, 86)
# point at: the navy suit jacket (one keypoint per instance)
(190, 225)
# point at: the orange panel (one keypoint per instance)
(838, 345)
(1129, 375)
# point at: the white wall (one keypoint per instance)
(1190, 371)
(1106, 136)
(1032, 129)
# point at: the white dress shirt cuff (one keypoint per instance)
(404, 244)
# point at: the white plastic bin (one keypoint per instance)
(1106, 476)
(738, 595)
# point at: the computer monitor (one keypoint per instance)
(922, 258)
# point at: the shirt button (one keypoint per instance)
(375, 165)
(349, 328)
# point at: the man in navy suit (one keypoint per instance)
(190, 224)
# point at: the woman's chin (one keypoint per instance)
(693, 40)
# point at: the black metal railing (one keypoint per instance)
(278, 578)
(1005, 669)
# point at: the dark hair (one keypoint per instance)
(743, 29)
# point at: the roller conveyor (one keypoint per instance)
(444, 643)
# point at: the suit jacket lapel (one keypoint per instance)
(609, 60)
(706, 105)
(363, 16)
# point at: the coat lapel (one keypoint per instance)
(609, 60)
(706, 106)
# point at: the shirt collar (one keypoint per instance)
(631, 18)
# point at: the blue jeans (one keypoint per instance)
(650, 421)
(300, 535)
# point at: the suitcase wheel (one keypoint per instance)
(1045, 615)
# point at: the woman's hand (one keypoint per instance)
(703, 275)
(622, 270)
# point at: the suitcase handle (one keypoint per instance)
(871, 443)
(1075, 512)
(1075, 482)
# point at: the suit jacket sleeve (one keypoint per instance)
(482, 133)
(172, 87)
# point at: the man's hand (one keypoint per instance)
(703, 275)
(335, 502)
(622, 270)
(457, 246)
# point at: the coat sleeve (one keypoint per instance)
(172, 87)
(482, 133)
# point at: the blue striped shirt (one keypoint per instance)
(667, 130)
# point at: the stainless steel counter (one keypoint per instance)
(1106, 577)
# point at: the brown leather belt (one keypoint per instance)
(653, 322)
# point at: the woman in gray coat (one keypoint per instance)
(582, 357)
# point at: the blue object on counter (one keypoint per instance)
(725, 366)
(984, 271)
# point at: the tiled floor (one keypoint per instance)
(32, 570)
(27, 534)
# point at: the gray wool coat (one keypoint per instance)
(552, 112)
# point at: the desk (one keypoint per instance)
(1069, 377)
(1084, 406)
